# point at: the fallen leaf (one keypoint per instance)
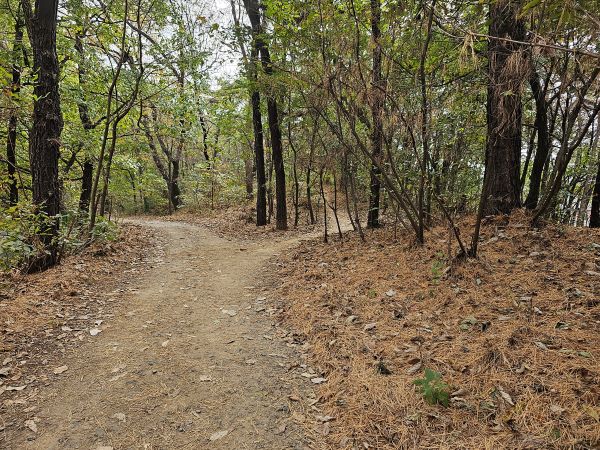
(119, 416)
(370, 326)
(324, 419)
(31, 425)
(505, 396)
(15, 388)
(218, 435)
(60, 370)
(415, 368)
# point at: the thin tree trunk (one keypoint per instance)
(253, 10)
(543, 142)
(86, 185)
(249, 177)
(325, 235)
(376, 113)
(295, 174)
(15, 89)
(309, 204)
(425, 162)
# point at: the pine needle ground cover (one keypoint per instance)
(509, 342)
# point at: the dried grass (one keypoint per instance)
(522, 291)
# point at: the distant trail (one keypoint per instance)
(188, 358)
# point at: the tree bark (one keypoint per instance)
(44, 137)
(506, 68)
(376, 113)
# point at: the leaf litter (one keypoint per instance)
(488, 326)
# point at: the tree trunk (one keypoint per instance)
(376, 112)
(543, 142)
(249, 177)
(295, 174)
(11, 142)
(506, 68)
(309, 205)
(259, 152)
(253, 10)
(174, 190)
(44, 137)
(86, 185)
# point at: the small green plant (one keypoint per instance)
(434, 390)
(437, 268)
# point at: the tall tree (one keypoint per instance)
(257, 126)
(84, 116)
(376, 113)
(44, 137)
(253, 8)
(507, 66)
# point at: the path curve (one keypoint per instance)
(191, 359)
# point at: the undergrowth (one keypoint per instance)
(21, 227)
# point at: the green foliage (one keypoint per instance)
(18, 228)
(434, 390)
(105, 230)
(21, 227)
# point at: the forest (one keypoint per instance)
(400, 198)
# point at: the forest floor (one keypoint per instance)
(210, 333)
(178, 349)
(514, 335)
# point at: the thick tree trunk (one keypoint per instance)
(11, 142)
(543, 142)
(376, 112)
(44, 138)
(506, 68)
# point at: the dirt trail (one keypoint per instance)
(189, 361)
